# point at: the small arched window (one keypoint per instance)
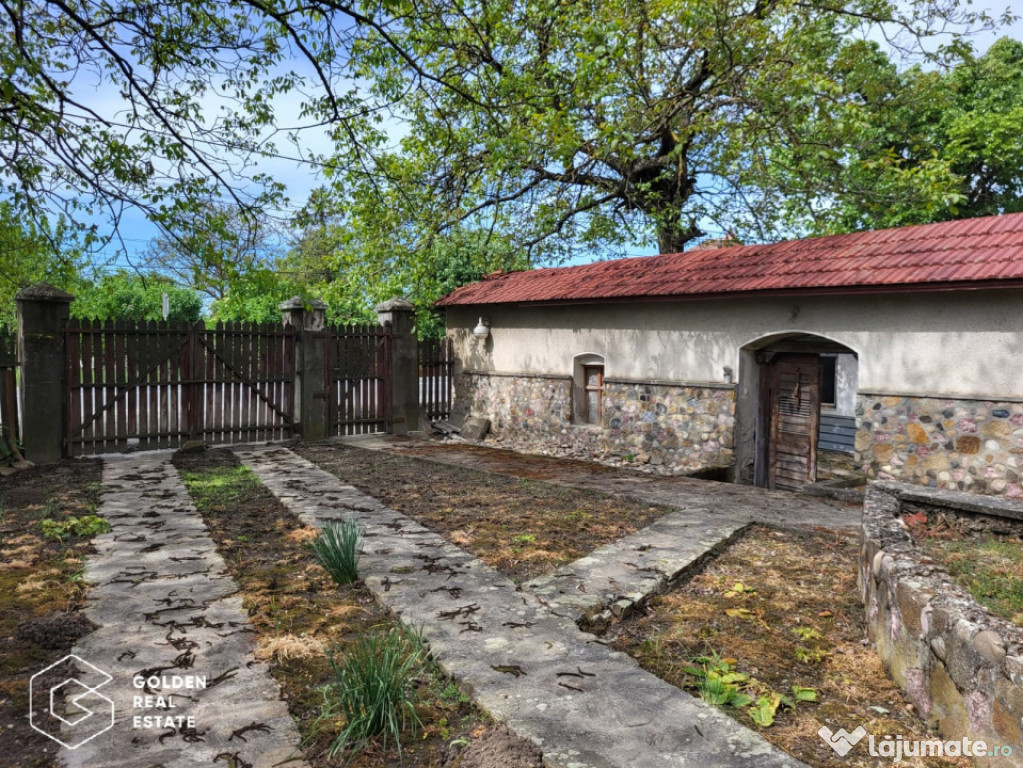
(588, 389)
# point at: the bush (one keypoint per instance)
(337, 550)
(373, 689)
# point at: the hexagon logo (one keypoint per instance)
(72, 711)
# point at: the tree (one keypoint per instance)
(125, 295)
(377, 251)
(220, 248)
(106, 104)
(30, 254)
(910, 147)
(623, 120)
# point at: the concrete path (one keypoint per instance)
(166, 607)
(522, 659)
(613, 580)
(706, 499)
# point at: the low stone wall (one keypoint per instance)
(671, 428)
(960, 666)
(964, 445)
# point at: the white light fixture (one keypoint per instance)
(482, 329)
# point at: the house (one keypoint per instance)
(898, 350)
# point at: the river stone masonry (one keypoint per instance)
(961, 666)
(664, 427)
(959, 445)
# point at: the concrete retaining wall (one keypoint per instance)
(960, 666)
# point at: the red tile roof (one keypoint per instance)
(967, 253)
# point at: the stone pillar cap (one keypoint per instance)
(297, 302)
(396, 305)
(43, 292)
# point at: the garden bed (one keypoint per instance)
(987, 565)
(523, 528)
(778, 615)
(41, 589)
(298, 613)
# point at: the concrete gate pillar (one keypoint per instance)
(42, 313)
(398, 315)
(310, 320)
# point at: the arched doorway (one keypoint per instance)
(796, 399)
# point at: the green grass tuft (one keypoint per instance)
(373, 689)
(337, 550)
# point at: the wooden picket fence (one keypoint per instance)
(156, 384)
(358, 379)
(436, 367)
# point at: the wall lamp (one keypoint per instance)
(482, 329)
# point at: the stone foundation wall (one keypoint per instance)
(672, 428)
(963, 445)
(960, 666)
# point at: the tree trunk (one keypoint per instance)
(672, 237)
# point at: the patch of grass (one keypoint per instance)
(337, 549)
(987, 566)
(794, 630)
(372, 691)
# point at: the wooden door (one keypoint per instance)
(793, 405)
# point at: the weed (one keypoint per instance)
(453, 694)
(807, 634)
(718, 682)
(337, 550)
(525, 538)
(372, 689)
(73, 527)
(811, 655)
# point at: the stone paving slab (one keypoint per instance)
(525, 662)
(165, 606)
(614, 579)
(712, 500)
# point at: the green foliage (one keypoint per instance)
(637, 121)
(718, 683)
(32, 253)
(909, 147)
(367, 258)
(124, 295)
(373, 689)
(188, 103)
(73, 527)
(337, 547)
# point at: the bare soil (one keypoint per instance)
(41, 593)
(782, 608)
(522, 527)
(299, 613)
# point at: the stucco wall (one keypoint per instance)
(965, 344)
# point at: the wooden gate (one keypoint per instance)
(792, 390)
(358, 379)
(436, 364)
(155, 384)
